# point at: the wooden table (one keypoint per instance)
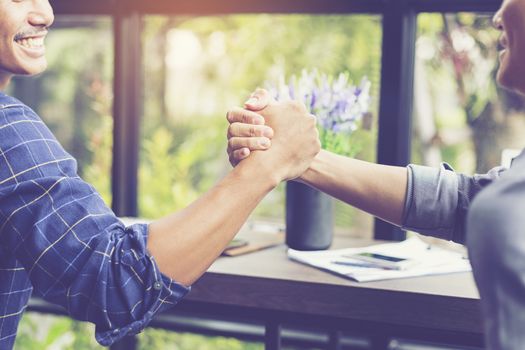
(268, 287)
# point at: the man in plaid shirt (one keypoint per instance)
(59, 240)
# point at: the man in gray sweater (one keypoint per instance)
(485, 212)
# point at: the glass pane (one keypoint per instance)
(162, 339)
(196, 68)
(460, 116)
(40, 331)
(74, 95)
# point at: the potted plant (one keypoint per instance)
(339, 107)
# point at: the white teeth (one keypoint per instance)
(31, 43)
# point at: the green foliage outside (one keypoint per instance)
(42, 332)
(162, 339)
(46, 332)
(474, 120)
(236, 55)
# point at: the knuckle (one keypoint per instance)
(232, 115)
(238, 155)
(253, 131)
(237, 130)
(297, 106)
(294, 104)
(260, 91)
(258, 119)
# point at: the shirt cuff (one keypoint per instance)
(431, 201)
(166, 293)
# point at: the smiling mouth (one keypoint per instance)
(32, 43)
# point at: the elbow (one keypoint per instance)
(121, 290)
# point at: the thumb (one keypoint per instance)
(259, 100)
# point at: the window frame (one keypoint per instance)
(397, 70)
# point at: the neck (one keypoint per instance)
(5, 78)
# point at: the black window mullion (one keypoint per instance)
(454, 5)
(395, 110)
(127, 111)
(77, 7)
(202, 7)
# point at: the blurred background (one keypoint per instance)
(195, 68)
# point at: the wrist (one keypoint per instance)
(312, 173)
(260, 170)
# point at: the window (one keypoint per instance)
(460, 115)
(195, 68)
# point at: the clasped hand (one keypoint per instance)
(285, 131)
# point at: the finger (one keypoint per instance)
(259, 100)
(240, 154)
(252, 143)
(236, 156)
(232, 161)
(240, 115)
(249, 130)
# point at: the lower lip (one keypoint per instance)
(33, 52)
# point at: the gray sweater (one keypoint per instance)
(438, 200)
(441, 203)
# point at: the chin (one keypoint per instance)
(32, 69)
(511, 79)
(38, 70)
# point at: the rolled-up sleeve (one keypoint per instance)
(75, 251)
(438, 200)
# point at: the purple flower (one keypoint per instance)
(338, 105)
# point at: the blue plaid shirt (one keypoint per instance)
(58, 238)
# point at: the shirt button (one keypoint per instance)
(157, 285)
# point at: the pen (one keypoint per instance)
(356, 264)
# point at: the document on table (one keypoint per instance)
(427, 260)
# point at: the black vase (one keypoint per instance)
(309, 217)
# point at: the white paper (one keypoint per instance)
(428, 260)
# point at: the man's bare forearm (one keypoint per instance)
(186, 243)
(377, 189)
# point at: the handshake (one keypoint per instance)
(281, 137)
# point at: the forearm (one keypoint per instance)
(377, 189)
(186, 243)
